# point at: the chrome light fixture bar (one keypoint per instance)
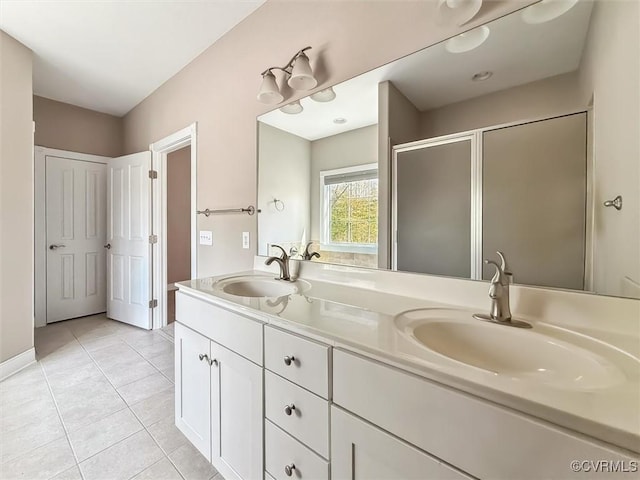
(300, 77)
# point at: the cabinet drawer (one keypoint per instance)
(308, 421)
(309, 366)
(237, 333)
(283, 450)
(476, 436)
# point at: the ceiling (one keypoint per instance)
(516, 52)
(108, 55)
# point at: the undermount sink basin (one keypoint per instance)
(260, 286)
(543, 355)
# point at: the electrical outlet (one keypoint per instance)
(206, 237)
(245, 239)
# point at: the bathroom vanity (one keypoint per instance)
(341, 376)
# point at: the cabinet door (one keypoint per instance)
(237, 415)
(193, 393)
(362, 451)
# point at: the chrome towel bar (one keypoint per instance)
(250, 210)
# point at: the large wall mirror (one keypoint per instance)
(515, 136)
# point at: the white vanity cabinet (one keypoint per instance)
(219, 393)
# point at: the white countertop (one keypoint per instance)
(363, 320)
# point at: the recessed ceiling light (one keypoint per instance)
(325, 95)
(481, 76)
(292, 108)
(468, 41)
(340, 120)
(546, 10)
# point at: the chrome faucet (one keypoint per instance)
(307, 255)
(283, 262)
(500, 312)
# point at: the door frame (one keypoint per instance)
(40, 155)
(159, 151)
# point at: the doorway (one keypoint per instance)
(174, 212)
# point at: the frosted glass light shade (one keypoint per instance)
(468, 41)
(292, 108)
(301, 76)
(323, 96)
(457, 12)
(546, 10)
(269, 92)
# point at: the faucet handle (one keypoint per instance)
(503, 263)
(284, 253)
(498, 277)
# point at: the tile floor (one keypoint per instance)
(98, 405)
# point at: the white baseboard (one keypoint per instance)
(17, 363)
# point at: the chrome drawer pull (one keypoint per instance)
(288, 409)
(288, 470)
(288, 359)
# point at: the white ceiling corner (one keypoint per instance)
(108, 55)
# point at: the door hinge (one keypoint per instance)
(153, 239)
(153, 303)
(153, 174)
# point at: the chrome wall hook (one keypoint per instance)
(615, 203)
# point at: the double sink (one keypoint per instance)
(545, 355)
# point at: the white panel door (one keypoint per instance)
(76, 234)
(129, 258)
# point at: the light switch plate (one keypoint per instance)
(206, 237)
(245, 239)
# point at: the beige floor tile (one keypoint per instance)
(69, 357)
(72, 474)
(42, 463)
(162, 470)
(164, 360)
(122, 460)
(141, 389)
(94, 438)
(87, 403)
(155, 408)
(164, 347)
(121, 374)
(169, 373)
(16, 442)
(191, 464)
(167, 435)
(63, 380)
(93, 345)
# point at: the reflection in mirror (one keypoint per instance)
(509, 137)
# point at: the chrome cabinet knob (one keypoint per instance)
(288, 359)
(108, 246)
(288, 409)
(288, 470)
(55, 247)
(203, 356)
(213, 361)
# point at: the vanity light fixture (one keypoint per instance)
(300, 77)
(457, 12)
(546, 10)
(292, 108)
(468, 41)
(323, 96)
(482, 76)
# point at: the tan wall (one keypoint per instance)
(16, 198)
(218, 90)
(610, 73)
(67, 127)
(179, 215)
(544, 98)
(399, 122)
(284, 161)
